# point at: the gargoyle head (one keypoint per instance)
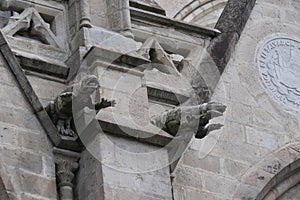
(89, 84)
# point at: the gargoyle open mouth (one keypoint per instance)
(91, 82)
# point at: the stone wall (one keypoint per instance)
(258, 141)
(113, 168)
(224, 164)
(27, 165)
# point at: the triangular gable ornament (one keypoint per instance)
(152, 50)
(31, 19)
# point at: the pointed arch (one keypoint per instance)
(202, 12)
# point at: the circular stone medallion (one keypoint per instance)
(278, 61)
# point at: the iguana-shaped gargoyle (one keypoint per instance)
(193, 117)
(60, 110)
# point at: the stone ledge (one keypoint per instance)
(159, 20)
(118, 125)
(148, 7)
(43, 67)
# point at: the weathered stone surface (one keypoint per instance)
(114, 172)
(287, 154)
(140, 182)
(245, 191)
(233, 132)
(233, 169)
(262, 138)
(240, 152)
(38, 185)
(217, 167)
(45, 89)
(189, 177)
(125, 194)
(29, 196)
(209, 163)
(256, 177)
(24, 160)
(291, 194)
(182, 193)
(219, 185)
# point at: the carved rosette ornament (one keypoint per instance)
(279, 67)
(66, 163)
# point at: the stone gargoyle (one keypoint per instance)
(193, 117)
(61, 109)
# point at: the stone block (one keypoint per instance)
(6, 77)
(89, 178)
(239, 93)
(48, 166)
(248, 76)
(46, 89)
(185, 193)
(256, 177)
(9, 136)
(32, 141)
(245, 192)
(262, 138)
(151, 183)
(108, 192)
(219, 184)
(132, 195)
(20, 118)
(269, 10)
(38, 185)
(287, 155)
(189, 177)
(272, 165)
(244, 153)
(239, 113)
(21, 159)
(233, 132)
(272, 107)
(209, 163)
(265, 118)
(233, 169)
(13, 97)
(28, 196)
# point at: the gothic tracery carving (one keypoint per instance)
(32, 22)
